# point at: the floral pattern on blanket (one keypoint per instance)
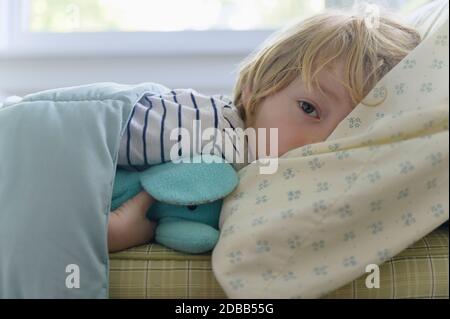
(374, 187)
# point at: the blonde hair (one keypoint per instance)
(305, 48)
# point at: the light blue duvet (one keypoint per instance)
(58, 154)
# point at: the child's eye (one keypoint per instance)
(308, 108)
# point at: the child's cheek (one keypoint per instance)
(290, 138)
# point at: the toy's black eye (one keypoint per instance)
(192, 207)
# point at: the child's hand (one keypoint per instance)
(128, 225)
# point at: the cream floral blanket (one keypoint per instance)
(375, 186)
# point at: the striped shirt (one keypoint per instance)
(147, 138)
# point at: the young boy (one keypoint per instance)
(304, 81)
(148, 141)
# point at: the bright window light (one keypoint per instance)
(180, 15)
(167, 15)
(227, 27)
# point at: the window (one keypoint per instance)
(167, 15)
(34, 27)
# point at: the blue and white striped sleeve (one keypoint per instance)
(147, 137)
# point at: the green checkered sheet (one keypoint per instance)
(153, 271)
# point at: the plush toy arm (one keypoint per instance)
(187, 236)
(126, 186)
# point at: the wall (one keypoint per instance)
(210, 74)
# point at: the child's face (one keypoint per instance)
(304, 117)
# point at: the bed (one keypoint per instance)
(153, 271)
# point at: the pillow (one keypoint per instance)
(428, 17)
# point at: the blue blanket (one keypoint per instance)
(58, 152)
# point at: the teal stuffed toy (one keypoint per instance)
(189, 199)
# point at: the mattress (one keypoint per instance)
(153, 271)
